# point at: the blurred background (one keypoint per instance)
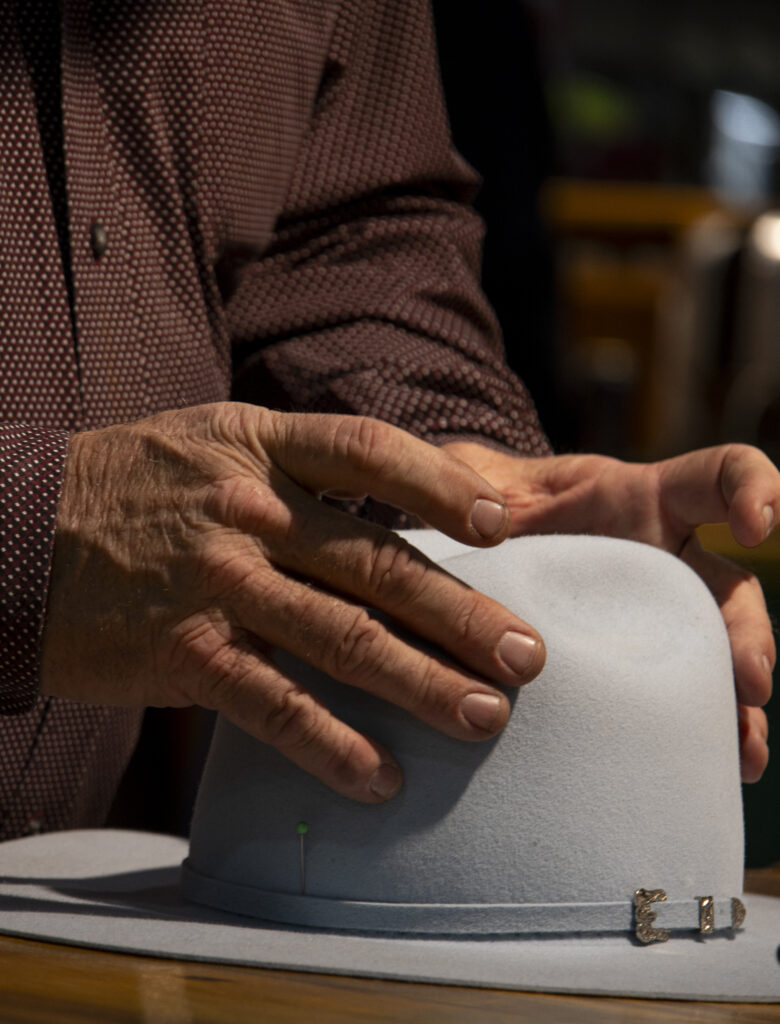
(630, 155)
(631, 162)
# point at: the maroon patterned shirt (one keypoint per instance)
(247, 197)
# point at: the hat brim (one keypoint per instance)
(120, 891)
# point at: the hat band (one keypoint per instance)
(459, 918)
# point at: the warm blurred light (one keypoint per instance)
(766, 235)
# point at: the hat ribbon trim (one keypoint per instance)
(449, 918)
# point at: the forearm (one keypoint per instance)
(368, 300)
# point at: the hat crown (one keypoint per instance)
(618, 770)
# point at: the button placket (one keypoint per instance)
(95, 229)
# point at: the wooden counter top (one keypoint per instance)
(49, 984)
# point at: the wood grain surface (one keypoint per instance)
(43, 983)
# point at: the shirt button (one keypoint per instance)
(98, 237)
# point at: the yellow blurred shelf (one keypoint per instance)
(574, 207)
(764, 560)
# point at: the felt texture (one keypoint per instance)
(618, 770)
(118, 890)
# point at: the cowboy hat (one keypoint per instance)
(594, 846)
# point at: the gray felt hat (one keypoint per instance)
(595, 846)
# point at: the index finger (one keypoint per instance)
(732, 483)
(362, 455)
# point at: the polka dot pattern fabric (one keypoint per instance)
(30, 460)
(255, 198)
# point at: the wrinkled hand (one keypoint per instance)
(192, 544)
(662, 503)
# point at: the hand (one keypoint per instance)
(192, 544)
(662, 503)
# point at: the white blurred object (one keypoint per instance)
(744, 147)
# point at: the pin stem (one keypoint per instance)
(302, 828)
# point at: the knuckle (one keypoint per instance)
(240, 501)
(397, 572)
(747, 580)
(197, 643)
(293, 722)
(238, 425)
(736, 451)
(740, 465)
(202, 653)
(226, 570)
(428, 691)
(342, 766)
(467, 626)
(227, 420)
(431, 689)
(252, 420)
(434, 697)
(358, 652)
(363, 442)
(223, 684)
(222, 570)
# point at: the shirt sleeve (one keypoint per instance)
(368, 300)
(32, 461)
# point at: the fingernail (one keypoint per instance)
(487, 517)
(769, 519)
(386, 781)
(517, 651)
(766, 664)
(480, 710)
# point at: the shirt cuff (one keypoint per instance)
(32, 461)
